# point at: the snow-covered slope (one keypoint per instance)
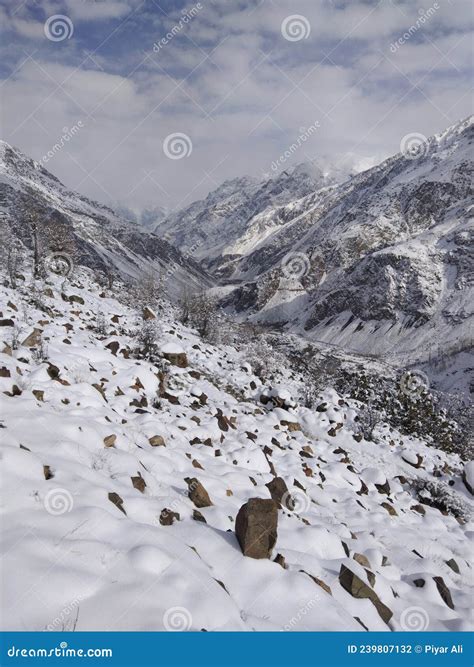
(103, 239)
(94, 465)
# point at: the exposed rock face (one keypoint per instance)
(256, 527)
(358, 589)
(197, 493)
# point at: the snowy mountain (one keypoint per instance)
(103, 239)
(188, 492)
(209, 229)
(380, 264)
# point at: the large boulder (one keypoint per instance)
(256, 527)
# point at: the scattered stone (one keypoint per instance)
(197, 516)
(358, 589)
(279, 491)
(412, 459)
(418, 508)
(33, 339)
(256, 527)
(196, 464)
(443, 590)
(280, 560)
(148, 314)
(453, 565)
(53, 371)
(117, 501)
(4, 372)
(322, 407)
(47, 472)
(332, 432)
(357, 437)
(7, 323)
(109, 440)
(113, 346)
(157, 441)
(383, 488)
(139, 483)
(167, 517)
(419, 583)
(319, 582)
(362, 560)
(38, 394)
(390, 509)
(197, 493)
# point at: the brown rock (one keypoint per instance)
(38, 394)
(148, 314)
(180, 359)
(138, 483)
(279, 492)
(197, 493)
(362, 560)
(167, 517)
(7, 323)
(358, 589)
(4, 372)
(390, 509)
(256, 527)
(33, 339)
(443, 590)
(280, 560)
(47, 472)
(332, 432)
(117, 501)
(157, 441)
(53, 371)
(113, 346)
(197, 516)
(109, 440)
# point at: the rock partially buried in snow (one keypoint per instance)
(279, 492)
(109, 440)
(149, 314)
(412, 459)
(157, 441)
(197, 493)
(175, 355)
(359, 589)
(256, 527)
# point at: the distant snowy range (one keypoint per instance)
(250, 414)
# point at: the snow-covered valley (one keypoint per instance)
(123, 474)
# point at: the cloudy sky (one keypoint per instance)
(237, 80)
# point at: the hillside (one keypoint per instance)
(123, 474)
